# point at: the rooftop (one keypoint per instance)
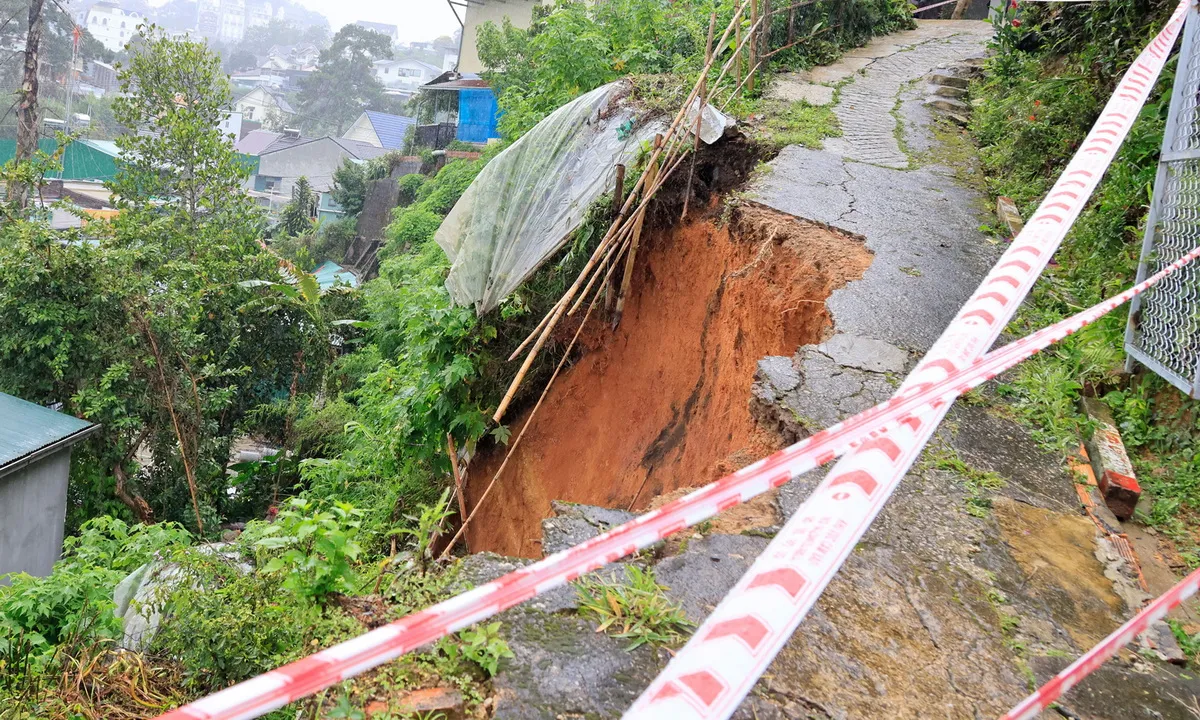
(29, 431)
(391, 129)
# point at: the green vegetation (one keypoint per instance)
(797, 123)
(978, 483)
(185, 323)
(637, 609)
(573, 47)
(1044, 88)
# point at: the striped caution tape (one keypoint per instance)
(877, 429)
(346, 660)
(1045, 696)
(716, 669)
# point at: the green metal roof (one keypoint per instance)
(27, 431)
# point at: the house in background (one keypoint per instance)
(111, 25)
(35, 460)
(405, 76)
(519, 12)
(462, 101)
(255, 142)
(260, 102)
(380, 129)
(291, 157)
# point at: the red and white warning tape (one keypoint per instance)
(713, 673)
(304, 677)
(878, 430)
(1033, 705)
(346, 660)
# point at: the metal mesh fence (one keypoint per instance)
(1164, 324)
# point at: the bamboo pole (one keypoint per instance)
(458, 483)
(618, 199)
(753, 54)
(635, 241)
(737, 53)
(557, 311)
(703, 97)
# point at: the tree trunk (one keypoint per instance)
(133, 501)
(960, 8)
(27, 105)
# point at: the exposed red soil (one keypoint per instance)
(662, 402)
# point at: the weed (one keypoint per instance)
(977, 482)
(427, 527)
(797, 123)
(638, 609)
(911, 271)
(318, 544)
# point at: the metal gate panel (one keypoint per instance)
(1163, 332)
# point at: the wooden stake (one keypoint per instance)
(703, 101)
(458, 483)
(651, 173)
(791, 25)
(610, 294)
(753, 58)
(618, 192)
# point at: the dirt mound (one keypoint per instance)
(662, 402)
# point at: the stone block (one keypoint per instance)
(1114, 472)
(1006, 210)
(950, 92)
(949, 105)
(949, 80)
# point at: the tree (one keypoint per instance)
(343, 84)
(27, 100)
(350, 186)
(297, 216)
(239, 60)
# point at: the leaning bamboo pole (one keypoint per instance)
(559, 308)
(708, 51)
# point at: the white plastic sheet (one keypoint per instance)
(524, 205)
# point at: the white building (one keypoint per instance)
(111, 25)
(405, 75)
(260, 102)
(228, 20)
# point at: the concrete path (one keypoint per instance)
(871, 79)
(980, 576)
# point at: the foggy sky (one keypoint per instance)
(417, 19)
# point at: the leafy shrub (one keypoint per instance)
(82, 583)
(412, 228)
(318, 546)
(637, 609)
(225, 625)
(481, 645)
(410, 185)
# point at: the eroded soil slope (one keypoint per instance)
(661, 402)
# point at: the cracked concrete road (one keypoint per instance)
(959, 595)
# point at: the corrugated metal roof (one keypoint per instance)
(26, 428)
(330, 273)
(391, 129)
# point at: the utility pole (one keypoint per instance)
(27, 105)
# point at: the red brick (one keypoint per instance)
(1114, 473)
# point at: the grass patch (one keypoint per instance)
(796, 123)
(637, 609)
(978, 483)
